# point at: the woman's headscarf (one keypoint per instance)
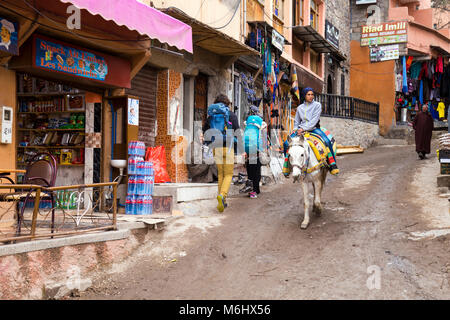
(306, 90)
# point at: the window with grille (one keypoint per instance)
(314, 15)
(278, 8)
(314, 59)
(298, 12)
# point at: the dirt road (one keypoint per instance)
(382, 235)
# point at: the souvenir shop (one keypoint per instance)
(420, 82)
(61, 105)
(274, 100)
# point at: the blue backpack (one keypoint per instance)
(252, 139)
(219, 118)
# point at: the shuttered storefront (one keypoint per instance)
(144, 86)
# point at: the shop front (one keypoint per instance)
(66, 88)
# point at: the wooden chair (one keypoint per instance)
(41, 170)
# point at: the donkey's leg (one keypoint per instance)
(305, 222)
(317, 183)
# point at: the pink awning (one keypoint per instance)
(141, 18)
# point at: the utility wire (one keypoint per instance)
(235, 10)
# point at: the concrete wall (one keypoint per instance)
(27, 275)
(213, 13)
(351, 132)
(374, 82)
(8, 98)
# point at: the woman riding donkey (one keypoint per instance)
(307, 119)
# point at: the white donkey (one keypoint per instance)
(306, 168)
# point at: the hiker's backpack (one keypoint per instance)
(251, 134)
(219, 118)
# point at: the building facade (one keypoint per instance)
(377, 56)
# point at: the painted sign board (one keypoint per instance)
(73, 63)
(383, 53)
(332, 34)
(9, 31)
(58, 57)
(385, 33)
(277, 40)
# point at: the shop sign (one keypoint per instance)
(366, 1)
(9, 36)
(332, 34)
(58, 57)
(385, 33)
(277, 40)
(133, 112)
(383, 53)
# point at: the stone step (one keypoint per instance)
(392, 142)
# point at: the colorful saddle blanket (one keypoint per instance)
(319, 148)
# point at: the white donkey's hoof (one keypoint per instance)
(304, 225)
(317, 210)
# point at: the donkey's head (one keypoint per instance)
(298, 156)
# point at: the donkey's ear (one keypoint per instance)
(289, 139)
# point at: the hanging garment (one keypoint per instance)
(439, 65)
(441, 110)
(423, 71)
(415, 70)
(445, 83)
(426, 89)
(398, 82)
(421, 92)
(409, 62)
(405, 83)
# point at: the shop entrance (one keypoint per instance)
(62, 120)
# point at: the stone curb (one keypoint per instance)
(10, 249)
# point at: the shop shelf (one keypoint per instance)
(44, 130)
(48, 94)
(59, 164)
(52, 147)
(51, 112)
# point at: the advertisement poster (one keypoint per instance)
(385, 33)
(57, 57)
(8, 36)
(384, 53)
(133, 112)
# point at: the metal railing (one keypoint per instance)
(28, 212)
(337, 106)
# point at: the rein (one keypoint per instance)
(305, 170)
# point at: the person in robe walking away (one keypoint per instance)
(423, 125)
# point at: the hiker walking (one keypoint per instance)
(424, 125)
(221, 128)
(254, 124)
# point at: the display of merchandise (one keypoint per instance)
(50, 118)
(140, 181)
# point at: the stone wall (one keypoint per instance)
(337, 13)
(351, 132)
(358, 16)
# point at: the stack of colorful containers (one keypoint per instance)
(141, 178)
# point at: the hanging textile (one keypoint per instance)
(405, 82)
(421, 92)
(295, 82)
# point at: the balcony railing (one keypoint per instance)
(348, 107)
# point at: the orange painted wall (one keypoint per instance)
(164, 94)
(374, 82)
(8, 99)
